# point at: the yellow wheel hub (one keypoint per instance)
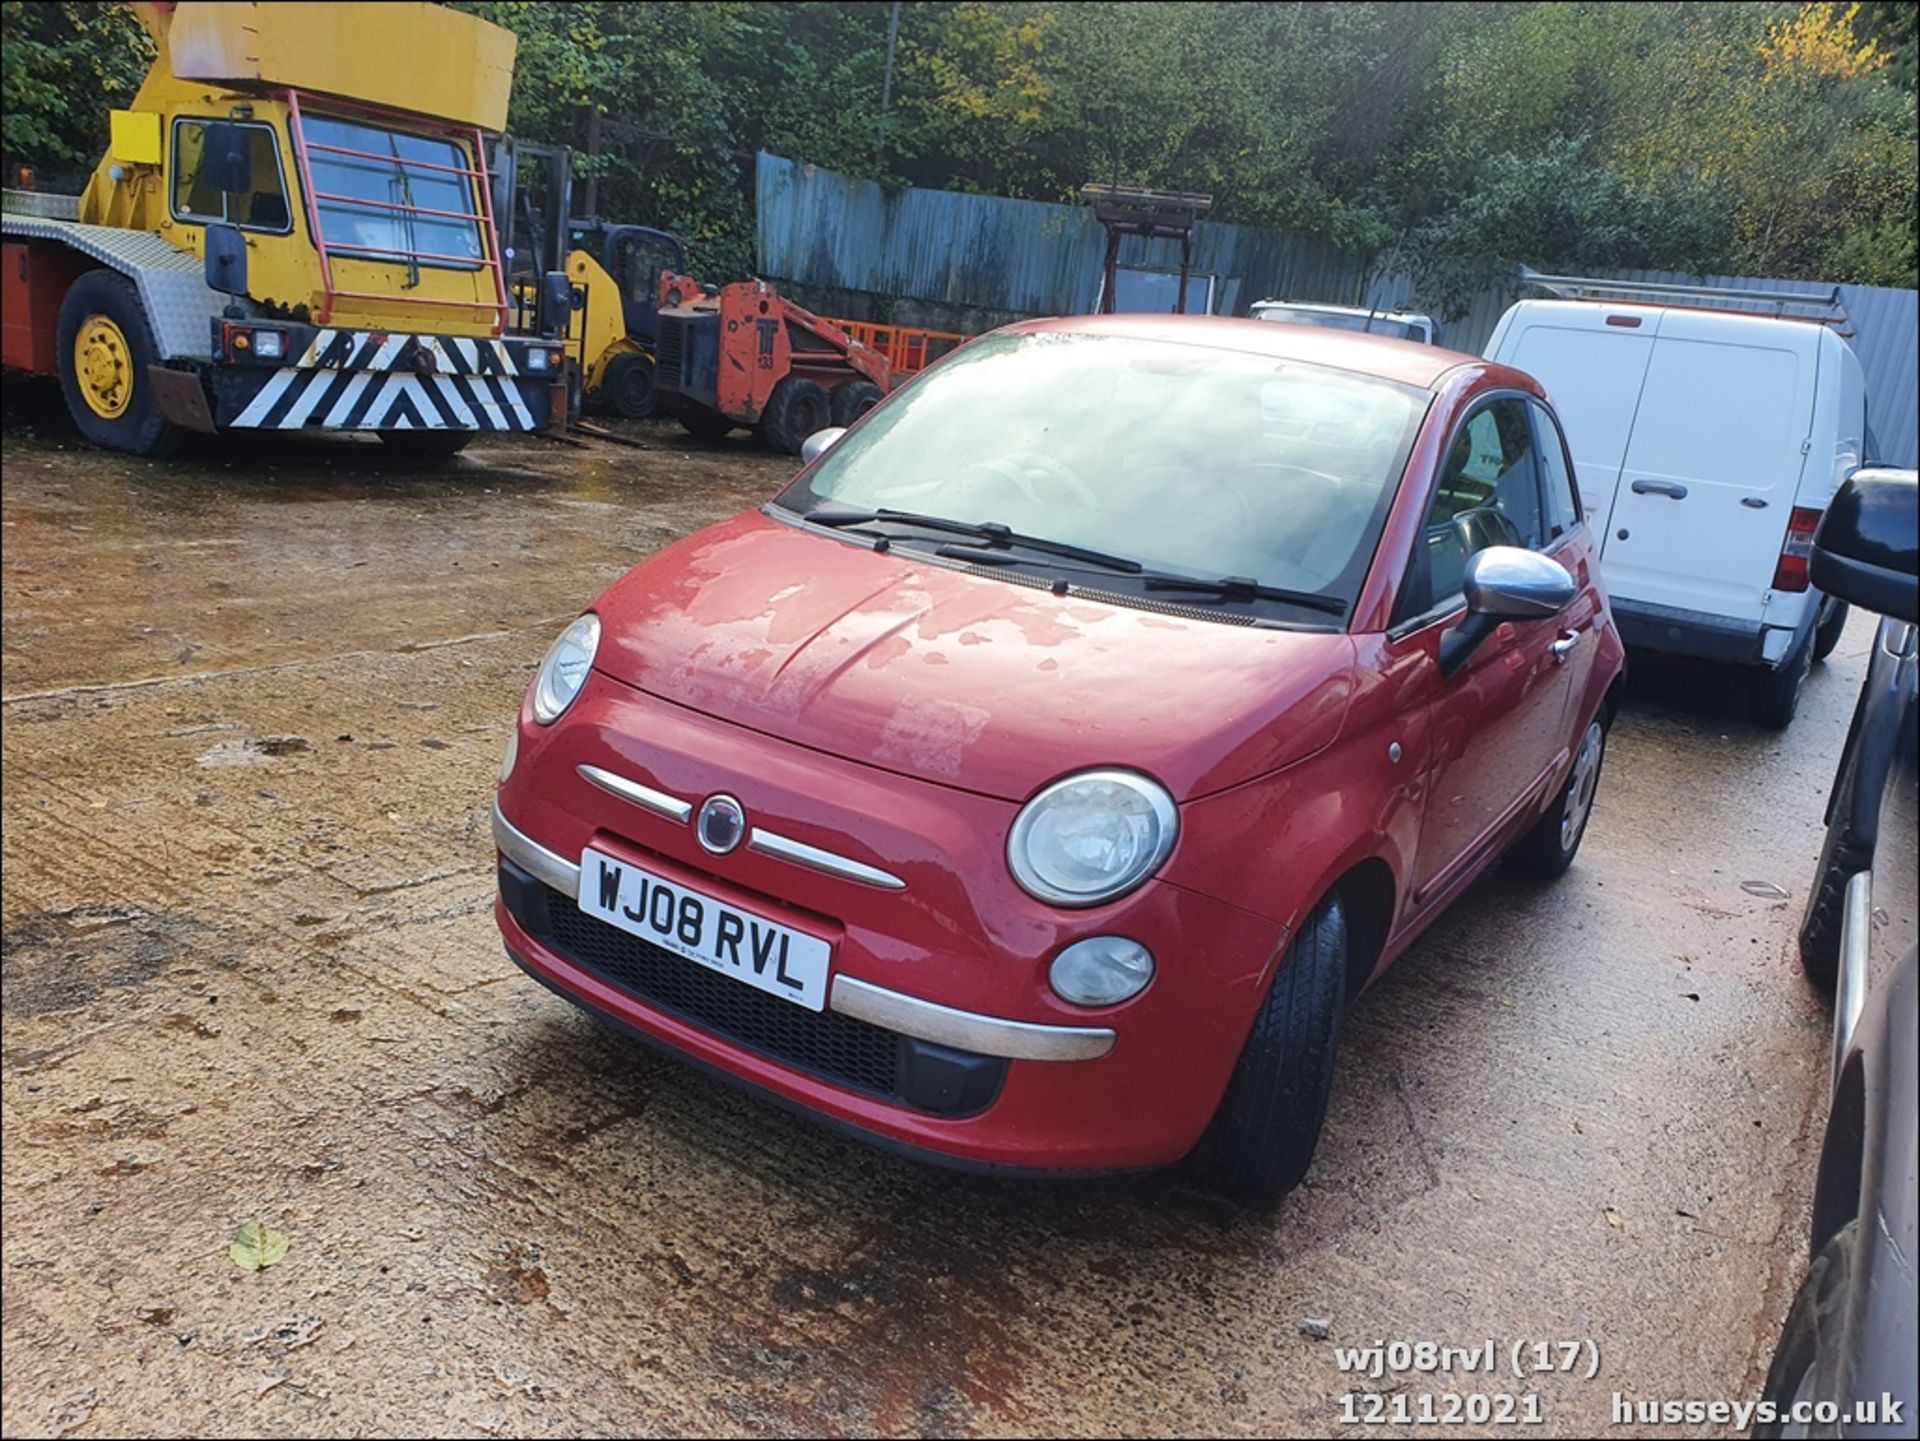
(103, 364)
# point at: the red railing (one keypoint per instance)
(489, 260)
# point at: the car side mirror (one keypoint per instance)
(1504, 582)
(223, 253)
(819, 443)
(1867, 549)
(558, 301)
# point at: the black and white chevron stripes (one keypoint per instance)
(380, 350)
(361, 380)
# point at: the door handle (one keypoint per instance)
(1669, 488)
(1568, 643)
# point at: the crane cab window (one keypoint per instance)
(229, 171)
(393, 195)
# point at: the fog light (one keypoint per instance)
(1101, 971)
(513, 753)
(269, 344)
(536, 360)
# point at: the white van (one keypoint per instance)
(1706, 445)
(1397, 324)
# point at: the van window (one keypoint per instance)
(1563, 500)
(1489, 494)
(263, 207)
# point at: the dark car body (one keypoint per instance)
(1854, 1333)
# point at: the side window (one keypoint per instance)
(197, 196)
(1488, 494)
(1563, 497)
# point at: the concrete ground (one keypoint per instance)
(255, 700)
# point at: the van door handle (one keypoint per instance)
(1660, 487)
(1568, 643)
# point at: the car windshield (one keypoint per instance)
(1339, 320)
(1192, 461)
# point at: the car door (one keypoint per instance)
(1593, 361)
(1571, 541)
(1713, 468)
(1496, 725)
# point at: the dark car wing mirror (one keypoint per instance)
(1504, 582)
(1867, 549)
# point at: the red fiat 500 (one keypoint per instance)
(1034, 780)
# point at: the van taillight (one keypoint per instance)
(1791, 573)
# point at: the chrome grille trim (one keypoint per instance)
(812, 857)
(646, 797)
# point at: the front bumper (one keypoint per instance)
(335, 379)
(951, 966)
(902, 1014)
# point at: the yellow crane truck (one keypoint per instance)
(292, 230)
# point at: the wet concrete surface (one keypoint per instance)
(255, 700)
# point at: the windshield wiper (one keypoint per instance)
(992, 532)
(1232, 588)
(1243, 588)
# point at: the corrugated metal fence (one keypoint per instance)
(989, 253)
(1024, 257)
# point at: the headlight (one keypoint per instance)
(565, 669)
(1091, 837)
(1101, 971)
(269, 344)
(536, 359)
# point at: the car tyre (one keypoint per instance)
(1842, 857)
(1802, 1369)
(102, 313)
(704, 424)
(1261, 1140)
(853, 400)
(629, 387)
(426, 445)
(1828, 627)
(1775, 695)
(795, 410)
(1547, 849)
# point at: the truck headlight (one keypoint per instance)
(270, 344)
(1091, 837)
(536, 359)
(564, 671)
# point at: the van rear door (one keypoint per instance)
(1714, 463)
(1592, 360)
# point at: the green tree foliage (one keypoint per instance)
(1458, 139)
(62, 66)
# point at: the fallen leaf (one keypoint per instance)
(1765, 889)
(1317, 1327)
(1615, 1219)
(256, 1246)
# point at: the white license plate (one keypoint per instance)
(771, 957)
